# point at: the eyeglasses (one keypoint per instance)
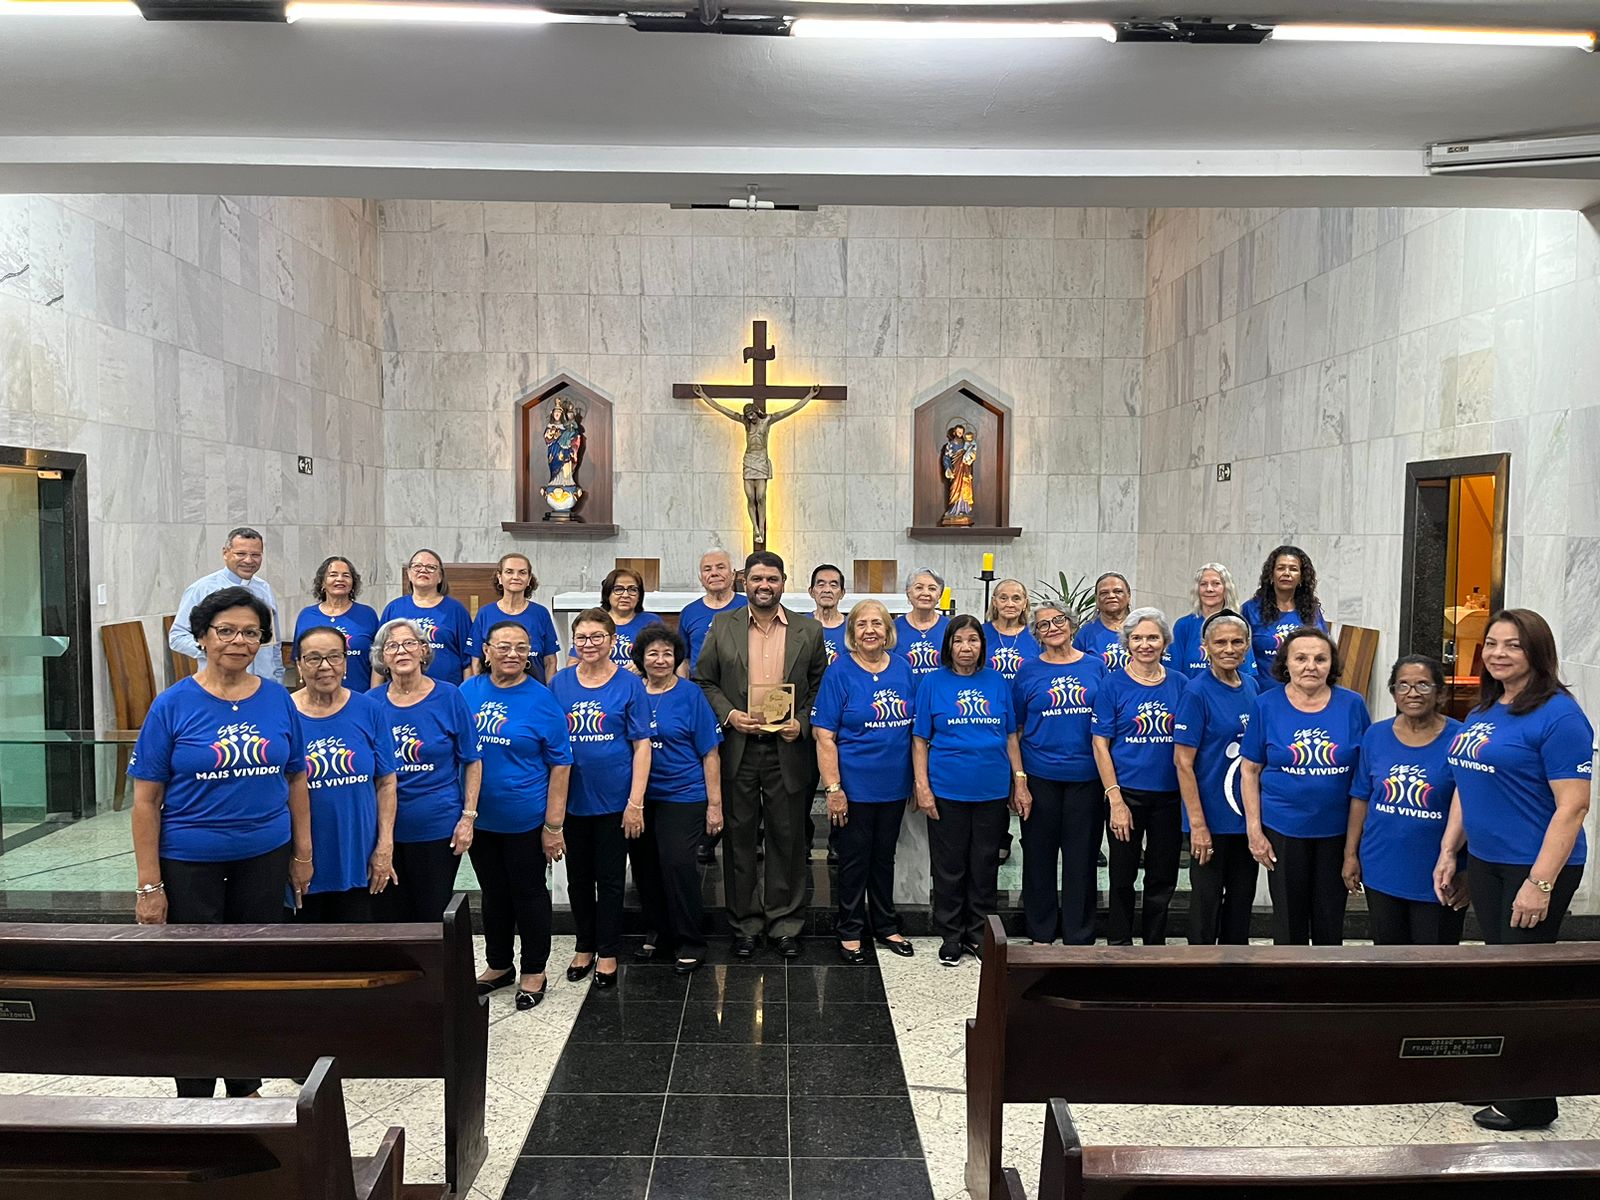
(424, 568)
(589, 639)
(1420, 689)
(1054, 623)
(334, 659)
(520, 649)
(409, 645)
(625, 589)
(227, 633)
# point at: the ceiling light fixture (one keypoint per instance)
(1395, 34)
(842, 27)
(68, 8)
(444, 14)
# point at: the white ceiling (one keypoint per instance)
(584, 112)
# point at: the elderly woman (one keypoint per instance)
(527, 758)
(221, 814)
(435, 616)
(1522, 768)
(1299, 755)
(919, 634)
(440, 771)
(862, 724)
(1285, 600)
(350, 774)
(1212, 592)
(1102, 637)
(514, 584)
(608, 714)
(963, 745)
(1211, 720)
(1006, 631)
(1132, 725)
(336, 585)
(1400, 797)
(1054, 696)
(622, 599)
(683, 800)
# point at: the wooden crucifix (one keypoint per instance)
(757, 464)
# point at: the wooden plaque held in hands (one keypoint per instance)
(772, 705)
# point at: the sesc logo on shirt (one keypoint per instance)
(1007, 660)
(491, 719)
(1469, 744)
(1068, 697)
(331, 763)
(923, 656)
(889, 710)
(408, 749)
(1152, 722)
(1115, 656)
(1282, 630)
(1406, 791)
(240, 751)
(587, 721)
(1313, 752)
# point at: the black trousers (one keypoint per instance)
(246, 891)
(1308, 892)
(769, 896)
(1493, 886)
(866, 845)
(352, 907)
(516, 900)
(1158, 832)
(1222, 893)
(963, 845)
(427, 874)
(1061, 839)
(597, 874)
(667, 874)
(1398, 922)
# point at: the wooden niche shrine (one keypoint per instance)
(564, 462)
(961, 467)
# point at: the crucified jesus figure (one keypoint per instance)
(757, 464)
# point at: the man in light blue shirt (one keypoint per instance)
(241, 559)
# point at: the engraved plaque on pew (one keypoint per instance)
(16, 1010)
(1452, 1047)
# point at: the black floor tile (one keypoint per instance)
(843, 1023)
(652, 981)
(628, 1020)
(831, 1178)
(850, 984)
(727, 1127)
(845, 1071)
(741, 982)
(731, 1071)
(746, 1024)
(578, 1179)
(720, 1179)
(597, 1125)
(627, 1068)
(852, 1127)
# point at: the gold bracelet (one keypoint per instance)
(301, 860)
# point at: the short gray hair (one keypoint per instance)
(917, 572)
(1138, 616)
(381, 639)
(1226, 617)
(717, 550)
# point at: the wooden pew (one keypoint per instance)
(388, 1001)
(1218, 1025)
(94, 1148)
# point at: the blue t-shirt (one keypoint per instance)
(1408, 791)
(433, 740)
(1307, 761)
(1054, 703)
(1188, 653)
(604, 723)
(346, 754)
(965, 720)
(1212, 718)
(226, 769)
(919, 650)
(622, 648)
(833, 642)
(1503, 766)
(869, 715)
(683, 730)
(535, 619)
(1266, 637)
(522, 733)
(694, 622)
(1137, 719)
(1008, 651)
(1105, 644)
(446, 626)
(358, 625)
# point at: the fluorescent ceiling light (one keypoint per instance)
(449, 14)
(1433, 36)
(827, 27)
(69, 8)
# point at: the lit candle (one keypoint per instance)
(947, 600)
(988, 562)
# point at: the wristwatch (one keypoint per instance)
(1020, 774)
(1543, 885)
(832, 788)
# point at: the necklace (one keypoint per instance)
(653, 699)
(873, 671)
(1149, 680)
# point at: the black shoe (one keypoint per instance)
(744, 946)
(527, 1000)
(686, 966)
(576, 974)
(897, 946)
(706, 854)
(973, 949)
(648, 952)
(853, 958)
(1493, 1118)
(602, 981)
(485, 986)
(787, 947)
(950, 955)
(833, 855)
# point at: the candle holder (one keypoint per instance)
(986, 577)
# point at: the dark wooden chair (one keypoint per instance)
(133, 687)
(1218, 1025)
(389, 1001)
(179, 666)
(94, 1148)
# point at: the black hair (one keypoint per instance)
(300, 637)
(652, 634)
(764, 558)
(203, 614)
(821, 567)
(527, 667)
(1305, 592)
(244, 532)
(1434, 668)
(957, 624)
(609, 585)
(1280, 664)
(319, 593)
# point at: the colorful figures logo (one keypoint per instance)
(1283, 630)
(827, 649)
(587, 716)
(1407, 785)
(1313, 748)
(622, 649)
(888, 705)
(971, 702)
(329, 758)
(1471, 740)
(427, 629)
(240, 746)
(1066, 691)
(1152, 719)
(407, 745)
(1007, 660)
(1115, 656)
(491, 718)
(923, 656)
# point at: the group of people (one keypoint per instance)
(425, 734)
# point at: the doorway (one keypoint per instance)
(1453, 570)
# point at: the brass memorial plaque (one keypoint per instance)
(772, 705)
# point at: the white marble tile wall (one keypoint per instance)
(192, 347)
(1042, 308)
(1321, 350)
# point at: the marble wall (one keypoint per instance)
(192, 347)
(1042, 308)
